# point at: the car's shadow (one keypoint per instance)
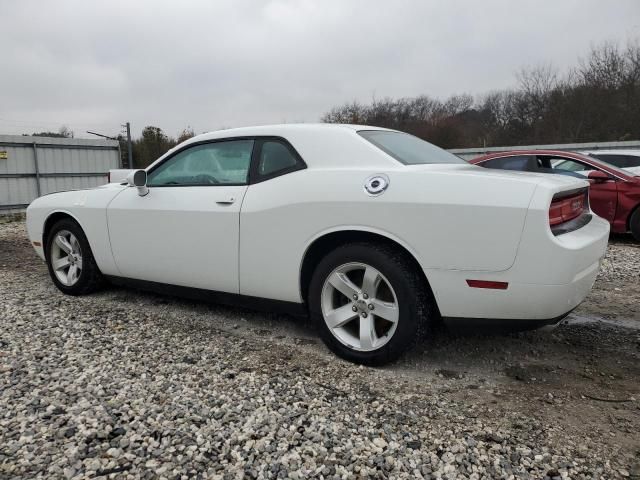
(214, 317)
(443, 351)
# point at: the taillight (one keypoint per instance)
(491, 284)
(565, 208)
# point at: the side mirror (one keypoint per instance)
(138, 179)
(598, 176)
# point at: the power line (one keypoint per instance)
(101, 135)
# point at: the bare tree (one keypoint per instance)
(604, 67)
(186, 134)
(597, 100)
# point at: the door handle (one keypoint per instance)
(226, 201)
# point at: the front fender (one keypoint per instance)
(88, 209)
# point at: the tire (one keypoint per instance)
(401, 293)
(634, 224)
(87, 278)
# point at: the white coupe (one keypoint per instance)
(374, 233)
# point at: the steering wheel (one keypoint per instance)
(205, 179)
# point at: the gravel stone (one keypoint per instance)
(132, 385)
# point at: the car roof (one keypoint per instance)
(325, 145)
(560, 153)
(511, 153)
(278, 130)
(634, 153)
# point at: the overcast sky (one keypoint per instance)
(92, 65)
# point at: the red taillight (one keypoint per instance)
(566, 208)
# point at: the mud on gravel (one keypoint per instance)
(126, 384)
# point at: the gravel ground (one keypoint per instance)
(124, 384)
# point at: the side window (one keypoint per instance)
(620, 161)
(217, 163)
(276, 158)
(569, 165)
(520, 163)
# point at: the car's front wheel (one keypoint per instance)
(70, 260)
(369, 302)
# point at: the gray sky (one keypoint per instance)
(212, 64)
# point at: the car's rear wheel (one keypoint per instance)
(370, 303)
(70, 260)
(634, 224)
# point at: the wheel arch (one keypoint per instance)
(51, 220)
(327, 241)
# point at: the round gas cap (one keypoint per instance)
(376, 184)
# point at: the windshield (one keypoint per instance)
(408, 149)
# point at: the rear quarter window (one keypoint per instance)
(408, 149)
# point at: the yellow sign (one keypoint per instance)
(3, 155)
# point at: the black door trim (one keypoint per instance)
(212, 296)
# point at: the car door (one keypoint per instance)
(603, 196)
(185, 231)
(269, 223)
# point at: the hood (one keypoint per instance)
(106, 186)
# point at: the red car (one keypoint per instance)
(614, 193)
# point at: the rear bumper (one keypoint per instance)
(550, 277)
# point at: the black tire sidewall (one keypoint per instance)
(89, 268)
(406, 284)
(634, 224)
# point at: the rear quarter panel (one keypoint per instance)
(448, 217)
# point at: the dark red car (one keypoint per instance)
(614, 193)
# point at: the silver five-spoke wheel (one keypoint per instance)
(359, 306)
(66, 257)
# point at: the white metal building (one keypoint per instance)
(34, 166)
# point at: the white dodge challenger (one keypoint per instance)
(374, 233)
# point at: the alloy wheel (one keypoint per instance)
(359, 306)
(66, 258)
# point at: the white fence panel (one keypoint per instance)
(34, 166)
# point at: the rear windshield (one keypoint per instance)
(408, 149)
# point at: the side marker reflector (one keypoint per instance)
(488, 284)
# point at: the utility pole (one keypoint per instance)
(129, 149)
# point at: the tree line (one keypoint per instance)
(152, 144)
(597, 100)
